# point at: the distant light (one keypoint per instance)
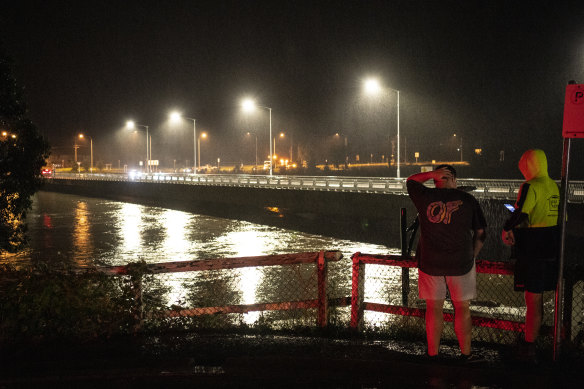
(130, 124)
(248, 105)
(175, 117)
(81, 136)
(372, 86)
(478, 151)
(4, 133)
(282, 135)
(203, 135)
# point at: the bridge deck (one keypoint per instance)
(483, 188)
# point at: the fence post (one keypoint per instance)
(138, 307)
(404, 252)
(357, 292)
(321, 269)
(558, 303)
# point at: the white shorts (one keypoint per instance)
(461, 288)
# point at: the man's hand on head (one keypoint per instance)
(442, 174)
(443, 178)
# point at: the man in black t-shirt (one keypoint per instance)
(452, 234)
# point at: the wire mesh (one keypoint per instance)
(498, 311)
(284, 297)
(271, 297)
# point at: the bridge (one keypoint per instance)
(483, 188)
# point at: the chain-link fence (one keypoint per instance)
(373, 294)
(273, 292)
(381, 295)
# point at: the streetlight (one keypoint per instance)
(337, 135)
(81, 136)
(175, 117)
(204, 136)
(130, 124)
(75, 147)
(256, 149)
(282, 135)
(249, 105)
(373, 87)
(459, 147)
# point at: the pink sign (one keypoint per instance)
(574, 112)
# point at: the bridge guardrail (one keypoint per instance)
(484, 188)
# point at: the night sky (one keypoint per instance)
(493, 72)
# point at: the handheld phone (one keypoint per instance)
(510, 207)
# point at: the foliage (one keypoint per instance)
(45, 302)
(22, 155)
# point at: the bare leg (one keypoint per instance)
(463, 325)
(434, 324)
(533, 316)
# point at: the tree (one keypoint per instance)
(22, 155)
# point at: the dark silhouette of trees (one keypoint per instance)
(23, 152)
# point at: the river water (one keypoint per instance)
(93, 231)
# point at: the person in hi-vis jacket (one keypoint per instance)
(533, 229)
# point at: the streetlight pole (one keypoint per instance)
(249, 105)
(91, 151)
(175, 116)
(75, 147)
(256, 150)
(372, 87)
(460, 147)
(131, 125)
(203, 135)
(271, 153)
(398, 161)
(398, 150)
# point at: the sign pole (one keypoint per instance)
(558, 318)
(573, 127)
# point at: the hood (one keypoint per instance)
(533, 164)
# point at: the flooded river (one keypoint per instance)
(92, 231)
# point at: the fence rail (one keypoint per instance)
(320, 291)
(359, 305)
(320, 259)
(483, 188)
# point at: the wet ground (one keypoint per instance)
(271, 361)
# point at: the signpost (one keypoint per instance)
(573, 127)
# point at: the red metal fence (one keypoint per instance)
(359, 305)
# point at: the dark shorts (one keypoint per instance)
(536, 269)
(535, 275)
